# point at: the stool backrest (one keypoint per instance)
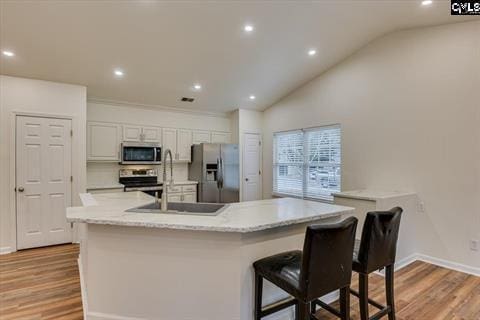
(378, 245)
(327, 257)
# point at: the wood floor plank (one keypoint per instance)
(44, 284)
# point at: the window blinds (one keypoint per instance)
(307, 163)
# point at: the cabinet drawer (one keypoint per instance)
(189, 188)
(174, 189)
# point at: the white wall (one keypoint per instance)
(36, 97)
(409, 110)
(107, 173)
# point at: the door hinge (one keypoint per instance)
(71, 178)
(259, 143)
(259, 172)
(71, 133)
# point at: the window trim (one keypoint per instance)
(305, 163)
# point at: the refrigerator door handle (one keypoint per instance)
(220, 170)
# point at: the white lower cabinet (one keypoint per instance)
(174, 197)
(190, 197)
(184, 193)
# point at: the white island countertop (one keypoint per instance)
(243, 217)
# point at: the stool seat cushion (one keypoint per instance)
(283, 270)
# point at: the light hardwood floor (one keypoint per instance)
(44, 284)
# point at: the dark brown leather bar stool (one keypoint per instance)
(376, 250)
(325, 265)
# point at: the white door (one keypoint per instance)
(251, 167)
(43, 181)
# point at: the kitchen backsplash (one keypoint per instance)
(103, 174)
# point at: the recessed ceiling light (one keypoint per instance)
(427, 2)
(8, 53)
(252, 97)
(118, 73)
(197, 87)
(312, 52)
(248, 28)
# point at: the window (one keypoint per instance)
(307, 162)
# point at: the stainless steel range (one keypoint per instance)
(140, 180)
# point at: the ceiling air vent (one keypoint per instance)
(185, 99)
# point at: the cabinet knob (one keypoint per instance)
(246, 179)
(21, 189)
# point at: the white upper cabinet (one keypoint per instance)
(132, 133)
(184, 144)
(103, 141)
(221, 137)
(200, 137)
(141, 134)
(152, 134)
(169, 141)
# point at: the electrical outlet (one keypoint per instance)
(474, 245)
(421, 206)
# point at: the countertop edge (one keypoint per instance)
(210, 228)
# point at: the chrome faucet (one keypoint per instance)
(164, 201)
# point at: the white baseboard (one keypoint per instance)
(108, 316)
(449, 265)
(83, 288)
(6, 250)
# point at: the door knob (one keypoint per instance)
(21, 189)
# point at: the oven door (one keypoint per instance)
(140, 154)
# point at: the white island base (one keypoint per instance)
(172, 274)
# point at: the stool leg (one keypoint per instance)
(345, 303)
(258, 296)
(363, 292)
(390, 291)
(302, 310)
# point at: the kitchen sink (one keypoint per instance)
(199, 209)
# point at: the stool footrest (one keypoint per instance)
(327, 307)
(277, 306)
(383, 309)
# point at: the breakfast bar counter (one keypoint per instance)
(150, 265)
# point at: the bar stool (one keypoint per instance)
(325, 265)
(376, 250)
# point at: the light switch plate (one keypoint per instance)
(474, 245)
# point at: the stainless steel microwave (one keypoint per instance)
(140, 153)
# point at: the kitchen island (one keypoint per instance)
(185, 266)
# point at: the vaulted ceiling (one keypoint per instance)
(164, 48)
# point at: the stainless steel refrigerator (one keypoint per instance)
(216, 168)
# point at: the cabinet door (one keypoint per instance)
(200, 137)
(103, 141)
(221, 137)
(151, 134)
(184, 144)
(132, 133)
(190, 197)
(169, 141)
(175, 197)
